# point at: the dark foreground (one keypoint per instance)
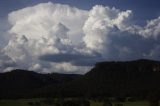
(76, 102)
(139, 79)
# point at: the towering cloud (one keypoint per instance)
(44, 29)
(102, 23)
(111, 32)
(52, 37)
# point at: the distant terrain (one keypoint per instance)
(19, 83)
(137, 79)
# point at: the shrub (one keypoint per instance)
(118, 104)
(30, 103)
(107, 104)
(153, 103)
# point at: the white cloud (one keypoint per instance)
(151, 30)
(111, 32)
(41, 20)
(46, 28)
(101, 33)
(101, 24)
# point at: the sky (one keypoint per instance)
(70, 36)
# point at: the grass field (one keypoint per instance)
(137, 103)
(21, 102)
(37, 102)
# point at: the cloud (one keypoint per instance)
(75, 59)
(64, 57)
(34, 34)
(4, 26)
(87, 62)
(101, 24)
(6, 63)
(41, 20)
(51, 37)
(151, 30)
(112, 33)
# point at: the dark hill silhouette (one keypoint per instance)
(123, 78)
(127, 78)
(21, 82)
(131, 78)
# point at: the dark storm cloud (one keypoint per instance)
(9, 64)
(5, 62)
(140, 46)
(64, 57)
(75, 59)
(87, 62)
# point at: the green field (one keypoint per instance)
(19, 102)
(137, 103)
(38, 102)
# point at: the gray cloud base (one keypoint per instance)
(75, 59)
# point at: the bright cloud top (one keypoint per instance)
(52, 37)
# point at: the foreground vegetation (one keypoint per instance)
(74, 102)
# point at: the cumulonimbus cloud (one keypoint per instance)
(46, 30)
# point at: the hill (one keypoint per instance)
(131, 78)
(139, 78)
(21, 82)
